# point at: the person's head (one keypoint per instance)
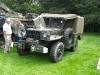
(8, 21)
(18, 22)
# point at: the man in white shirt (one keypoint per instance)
(7, 34)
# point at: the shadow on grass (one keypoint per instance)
(36, 58)
(39, 58)
(33, 57)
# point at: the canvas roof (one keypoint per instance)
(65, 16)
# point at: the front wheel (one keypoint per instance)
(23, 52)
(56, 52)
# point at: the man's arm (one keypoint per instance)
(5, 34)
(11, 22)
(4, 30)
(23, 28)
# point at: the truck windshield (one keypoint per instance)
(53, 22)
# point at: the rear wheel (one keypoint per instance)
(80, 36)
(74, 44)
(56, 52)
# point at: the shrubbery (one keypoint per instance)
(89, 9)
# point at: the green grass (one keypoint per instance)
(82, 62)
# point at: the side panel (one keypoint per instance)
(78, 25)
(69, 23)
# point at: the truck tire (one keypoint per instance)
(23, 52)
(80, 36)
(56, 52)
(68, 34)
(75, 44)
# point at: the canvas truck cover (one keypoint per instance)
(74, 21)
(78, 25)
(64, 16)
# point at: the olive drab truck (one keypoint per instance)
(53, 34)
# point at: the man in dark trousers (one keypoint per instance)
(19, 29)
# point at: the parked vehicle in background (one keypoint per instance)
(7, 12)
(4, 13)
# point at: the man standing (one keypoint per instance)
(18, 30)
(7, 34)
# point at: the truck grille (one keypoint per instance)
(33, 34)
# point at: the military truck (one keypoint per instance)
(7, 12)
(52, 33)
(27, 21)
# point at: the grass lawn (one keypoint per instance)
(82, 62)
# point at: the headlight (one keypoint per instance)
(44, 35)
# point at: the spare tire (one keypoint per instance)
(68, 34)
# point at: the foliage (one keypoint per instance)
(88, 8)
(53, 6)
(22, 6)
(82, 62)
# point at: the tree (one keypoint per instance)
(22, 6)
(88, 8)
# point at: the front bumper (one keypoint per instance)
(19, 45)
(34, 46)
(39, 48)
